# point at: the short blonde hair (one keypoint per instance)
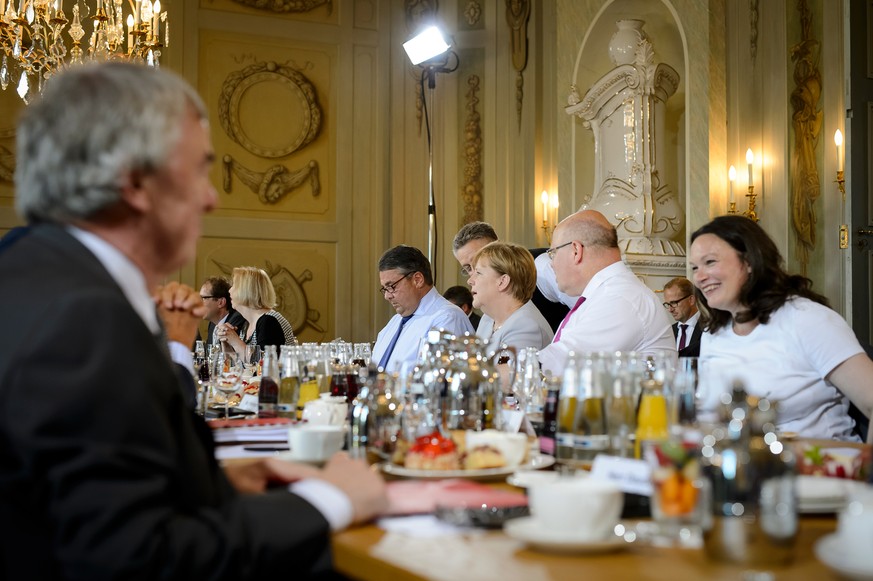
(253, 288)
(514, 261)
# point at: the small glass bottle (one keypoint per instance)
(652, 421)
(548, 438)
(289, 386)
(268, 394)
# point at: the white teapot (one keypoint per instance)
(328, 410)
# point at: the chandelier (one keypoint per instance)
(34, 37)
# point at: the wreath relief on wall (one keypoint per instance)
(277, 181)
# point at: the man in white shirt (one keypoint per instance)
(615, 312)
(680, 302)
(405, 276)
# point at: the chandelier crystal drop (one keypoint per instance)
(36, 41)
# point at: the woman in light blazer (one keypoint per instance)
(503, 280)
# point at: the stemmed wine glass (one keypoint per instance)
(227, 376)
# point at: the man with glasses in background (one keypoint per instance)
(215, 293)
(405, 276)
(680, 302)
(616, 311)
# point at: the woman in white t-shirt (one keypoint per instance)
(769, 329)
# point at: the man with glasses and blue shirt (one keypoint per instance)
(406, 283)
(616, 311)
(680, 302)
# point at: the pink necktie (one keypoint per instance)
(567, 318)
(682, 326)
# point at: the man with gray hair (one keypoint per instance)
(406, 283)
(616, 311)
(104, 470)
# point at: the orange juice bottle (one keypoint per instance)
(652, 415)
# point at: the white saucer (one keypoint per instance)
(831, 551)
(527, 478)
(540, 538)
(822, 494)
(290, 457)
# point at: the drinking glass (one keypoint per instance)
(621, 380)
(683, 409)
(362, 353)
(227, 376)
(678, 488)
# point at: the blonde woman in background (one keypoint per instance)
(502, 281)
(254, 297)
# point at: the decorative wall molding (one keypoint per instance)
(418, 11)
(7, 157)
(472, 12)
(275, 183)
(237, 83)
(807, 120)
(753, 29)
(517, 16)
(471, 193)
(284, 6)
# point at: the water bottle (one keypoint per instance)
(751, 477)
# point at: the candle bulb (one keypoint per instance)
(155, 30)
(838, 141)
(129, 33)
(732, 175)
(544, 198)
(555, 203)
(750, 158)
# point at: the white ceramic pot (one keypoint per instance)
(328, 410)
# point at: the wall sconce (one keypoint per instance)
(841, 184)
(550, 213)
(732, 204)
(750, 213)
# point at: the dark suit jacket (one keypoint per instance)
(234, 318)
(692, 346)
(104, 472)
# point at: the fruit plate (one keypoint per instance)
(536, 462)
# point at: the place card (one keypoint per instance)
(249, 403)
(630, 475)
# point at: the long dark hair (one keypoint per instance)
(768, 286)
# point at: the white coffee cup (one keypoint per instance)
(587, 509)
(314, 443)
(855, 521)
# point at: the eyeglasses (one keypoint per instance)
(552, 251)
(392, 286)
(674, 304)
(467, 270)
(204, 297)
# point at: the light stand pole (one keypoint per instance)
(423, 50)
(430, 72)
